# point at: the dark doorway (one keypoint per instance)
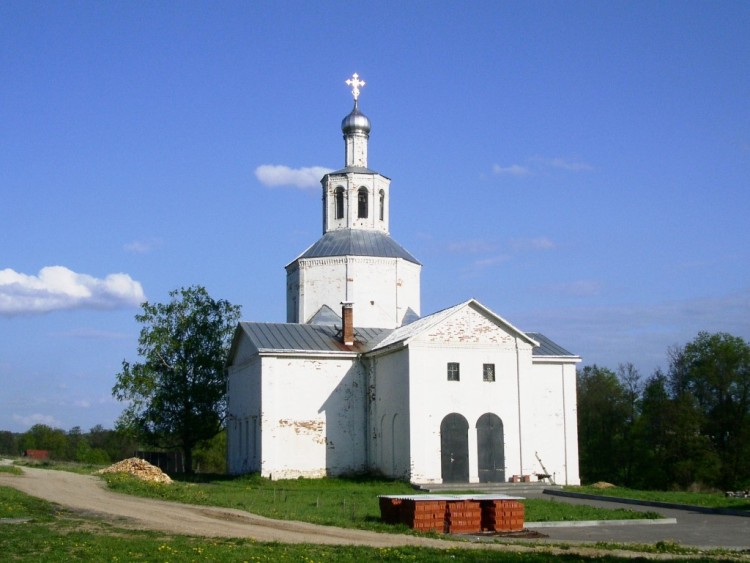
(490, 449)
(454, 449)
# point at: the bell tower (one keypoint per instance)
(356, 261)
(355, 197)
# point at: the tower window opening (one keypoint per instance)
(339, 200)
(382, 205)
(362, 203)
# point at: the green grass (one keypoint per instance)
(15, 504)
(12, 469)
(55, 535)
(708, 500)
(348, 503)
(71, 466)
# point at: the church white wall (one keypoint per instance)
(382, 289)
(389, 414)
(433, 397)
(244, 398)
(471, 339)
(314, 417)
(550, 421)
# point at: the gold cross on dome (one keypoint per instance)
(355, 83)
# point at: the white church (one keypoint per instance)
(359, 380)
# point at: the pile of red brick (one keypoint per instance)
(453, 514)
(463, 517)
(502, 515)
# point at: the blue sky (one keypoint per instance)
(581, 168)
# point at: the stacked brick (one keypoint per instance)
(502, 515)
(424, 516)
(453, 514)
(426, 513)
(463, 517)
(390, 509)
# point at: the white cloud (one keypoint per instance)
(142, 246)
(273, 175)
(57, 288)
(491, 261)
(579, 288)
(537, 164)
(563, 163)
(538, 243)
(94, 334)
(470, 246)
(512, 170)
(37, 418)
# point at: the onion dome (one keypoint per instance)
(356, 121)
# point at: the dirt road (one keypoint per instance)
(88, 495)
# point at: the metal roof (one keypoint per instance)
(353, 170)
(357, 242)
(293, 337)
(547, 347)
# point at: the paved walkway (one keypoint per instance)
(692, 528)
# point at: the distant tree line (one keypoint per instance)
(100, 446)
(97, 446)
(684, 428)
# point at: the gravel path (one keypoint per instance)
(88, 495)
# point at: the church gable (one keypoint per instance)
(470, 325)
(243, 349)
(466, 324)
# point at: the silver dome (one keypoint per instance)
(356, 121)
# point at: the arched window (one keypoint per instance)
(362, 203)
(382, 204)
(339, 199)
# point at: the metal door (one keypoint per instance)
(490, 449)
(454, 449)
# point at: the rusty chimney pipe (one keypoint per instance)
(347, 316)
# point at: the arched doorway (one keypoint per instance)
(454, 449)
(490, 449)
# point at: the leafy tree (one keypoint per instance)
(211, 457)
(711, 374)
(8, 443)
(631, 384)
(43, 437)
(602, 424)
(177, 393)
(116, 444)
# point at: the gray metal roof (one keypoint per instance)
(357, 242)
(293, 337)
(547, 347)
(353, 169)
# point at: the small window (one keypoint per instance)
(382, 205)
(488, 372)
(453, 372)
(339, 198)
(362, 203)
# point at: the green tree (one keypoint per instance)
(211, 457)
(603, 411)
(8, 443)
(177, 393)
(43, 437)
(711, 375)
